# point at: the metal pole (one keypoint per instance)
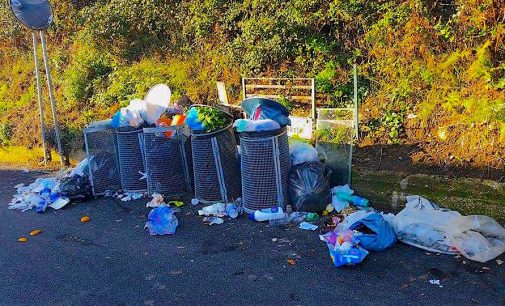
(39, 94)
(51, 97)
(356, 119)
(244, 90)
(313, 97)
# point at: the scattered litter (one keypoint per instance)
(499, 262)
(292, 262)
(59, 203)
(162, 221)
(213, 220)
(129, 196)
(35, 232)
(344, 248)
(342, 196)
(157, 201)
(292, 218)
(274, 239)
(308, 226)
(23, 239)
(404, 183)
(311, 217)
(177, 204)
(485, 268)
(268, 214)
(436, 282)
(195, 201)
(85, 219)
(219, 210)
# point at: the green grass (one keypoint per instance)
(14, 156)
(468, 196)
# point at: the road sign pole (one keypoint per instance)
(39, 94)
(51, 96)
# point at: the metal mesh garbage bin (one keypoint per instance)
(130, 148)
(216, 166)
(101, 150)
(167, 160)
(265, 164)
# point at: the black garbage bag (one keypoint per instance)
(309, 189)
(76, 188)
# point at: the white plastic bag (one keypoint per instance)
(157, 101)
(302, 152)
(423, 224)
(478, 238)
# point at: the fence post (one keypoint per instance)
(313, 96)
(356, 118)
(244, 91)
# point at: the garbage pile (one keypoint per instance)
(347, 224)
(54, 192)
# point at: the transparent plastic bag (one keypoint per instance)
(423, 224)
(478, 238)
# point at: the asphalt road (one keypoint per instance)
(113, 260)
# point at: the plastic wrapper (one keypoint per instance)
(302, 152)
(344, 248)
(308, 187)
(423, 224)
(376, 233)
(162, 221)
(246, 125)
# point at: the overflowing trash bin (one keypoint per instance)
(264, 154)
(103, 163)
(168, 160)
(130, 146)
(215, 155)
(265, 163)
(216, 166)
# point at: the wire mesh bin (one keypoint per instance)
(166, 160)
(130, 148)
(265, 164)
(101, 151)
(334, 142)
(216, 166)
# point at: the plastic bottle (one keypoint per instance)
(262, 215)
(354, 199)
(295, 217)
(232, 211)
(271, 210)
(278, 222)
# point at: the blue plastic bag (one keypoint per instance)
(192, 120)
(162, 221)
(353, 256)
(262, 108)
(378, 234)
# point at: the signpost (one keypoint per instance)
(37, 15)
